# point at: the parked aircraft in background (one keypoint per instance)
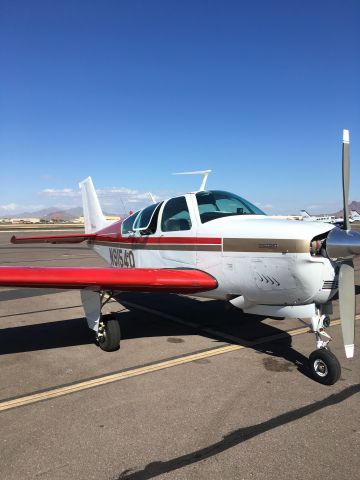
(217, 245)
(355, 216)
(321, 218)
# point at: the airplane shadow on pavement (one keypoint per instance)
(220, 320)
(41, 336)
(214, 319)
(237, 437)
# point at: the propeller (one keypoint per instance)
(342, 245)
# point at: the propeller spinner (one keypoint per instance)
(342, 245)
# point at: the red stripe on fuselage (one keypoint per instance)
(159, 240)
(112, 234)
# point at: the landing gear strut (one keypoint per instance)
(325, 367)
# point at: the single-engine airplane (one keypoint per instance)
(217, 245)
(355, 216)
(320, 218)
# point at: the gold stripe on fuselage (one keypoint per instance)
(229, 245)
(266, 245)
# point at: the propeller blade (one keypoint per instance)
(347, 306)
(346, 176)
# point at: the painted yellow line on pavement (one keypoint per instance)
(134, 372)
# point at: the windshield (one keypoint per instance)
(216, 204)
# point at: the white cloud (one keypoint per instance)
(14, 208)
(113, 190)
(309, 207)
(10, 207)
(108, 196)
(264, 206)
(60, 192)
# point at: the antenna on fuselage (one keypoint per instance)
(198, 172)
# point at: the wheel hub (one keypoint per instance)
(320, 368)
(101, 335)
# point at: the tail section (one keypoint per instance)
(304, 213)
(93, 215)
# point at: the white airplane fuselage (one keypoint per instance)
(263, 260)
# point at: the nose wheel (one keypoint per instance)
(325, 367)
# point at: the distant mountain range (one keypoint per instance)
(51, 213)
(352, 206)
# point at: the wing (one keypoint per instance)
(113, 279)
(72, 238)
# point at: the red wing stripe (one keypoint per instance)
(136, 279)
(71, 238)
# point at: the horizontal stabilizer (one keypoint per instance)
(72, 238)
(113, 279)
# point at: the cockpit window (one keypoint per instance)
(216, 204)
(127, 224)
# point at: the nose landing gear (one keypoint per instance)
(325, 367)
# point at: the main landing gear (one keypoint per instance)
(105, 325)
(325, 367)
(108, 335)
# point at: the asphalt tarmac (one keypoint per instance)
(198, 390)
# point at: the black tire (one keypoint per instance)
(325, 367)
(110, 341)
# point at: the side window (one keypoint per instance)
(127, 224)
(145, 217)
(175, 215)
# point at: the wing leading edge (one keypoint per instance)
(71, 238)
(113, 279)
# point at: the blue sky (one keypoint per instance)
(131, 91)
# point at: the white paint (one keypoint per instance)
(294, 311)
(92, 308)
(349, 351)
(93, 216)
(276, 283)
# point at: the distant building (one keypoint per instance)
(112, 218)
(24, 220)
(78, 220)
(109, 218)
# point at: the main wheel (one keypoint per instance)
(108, 336)
(325, 367)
